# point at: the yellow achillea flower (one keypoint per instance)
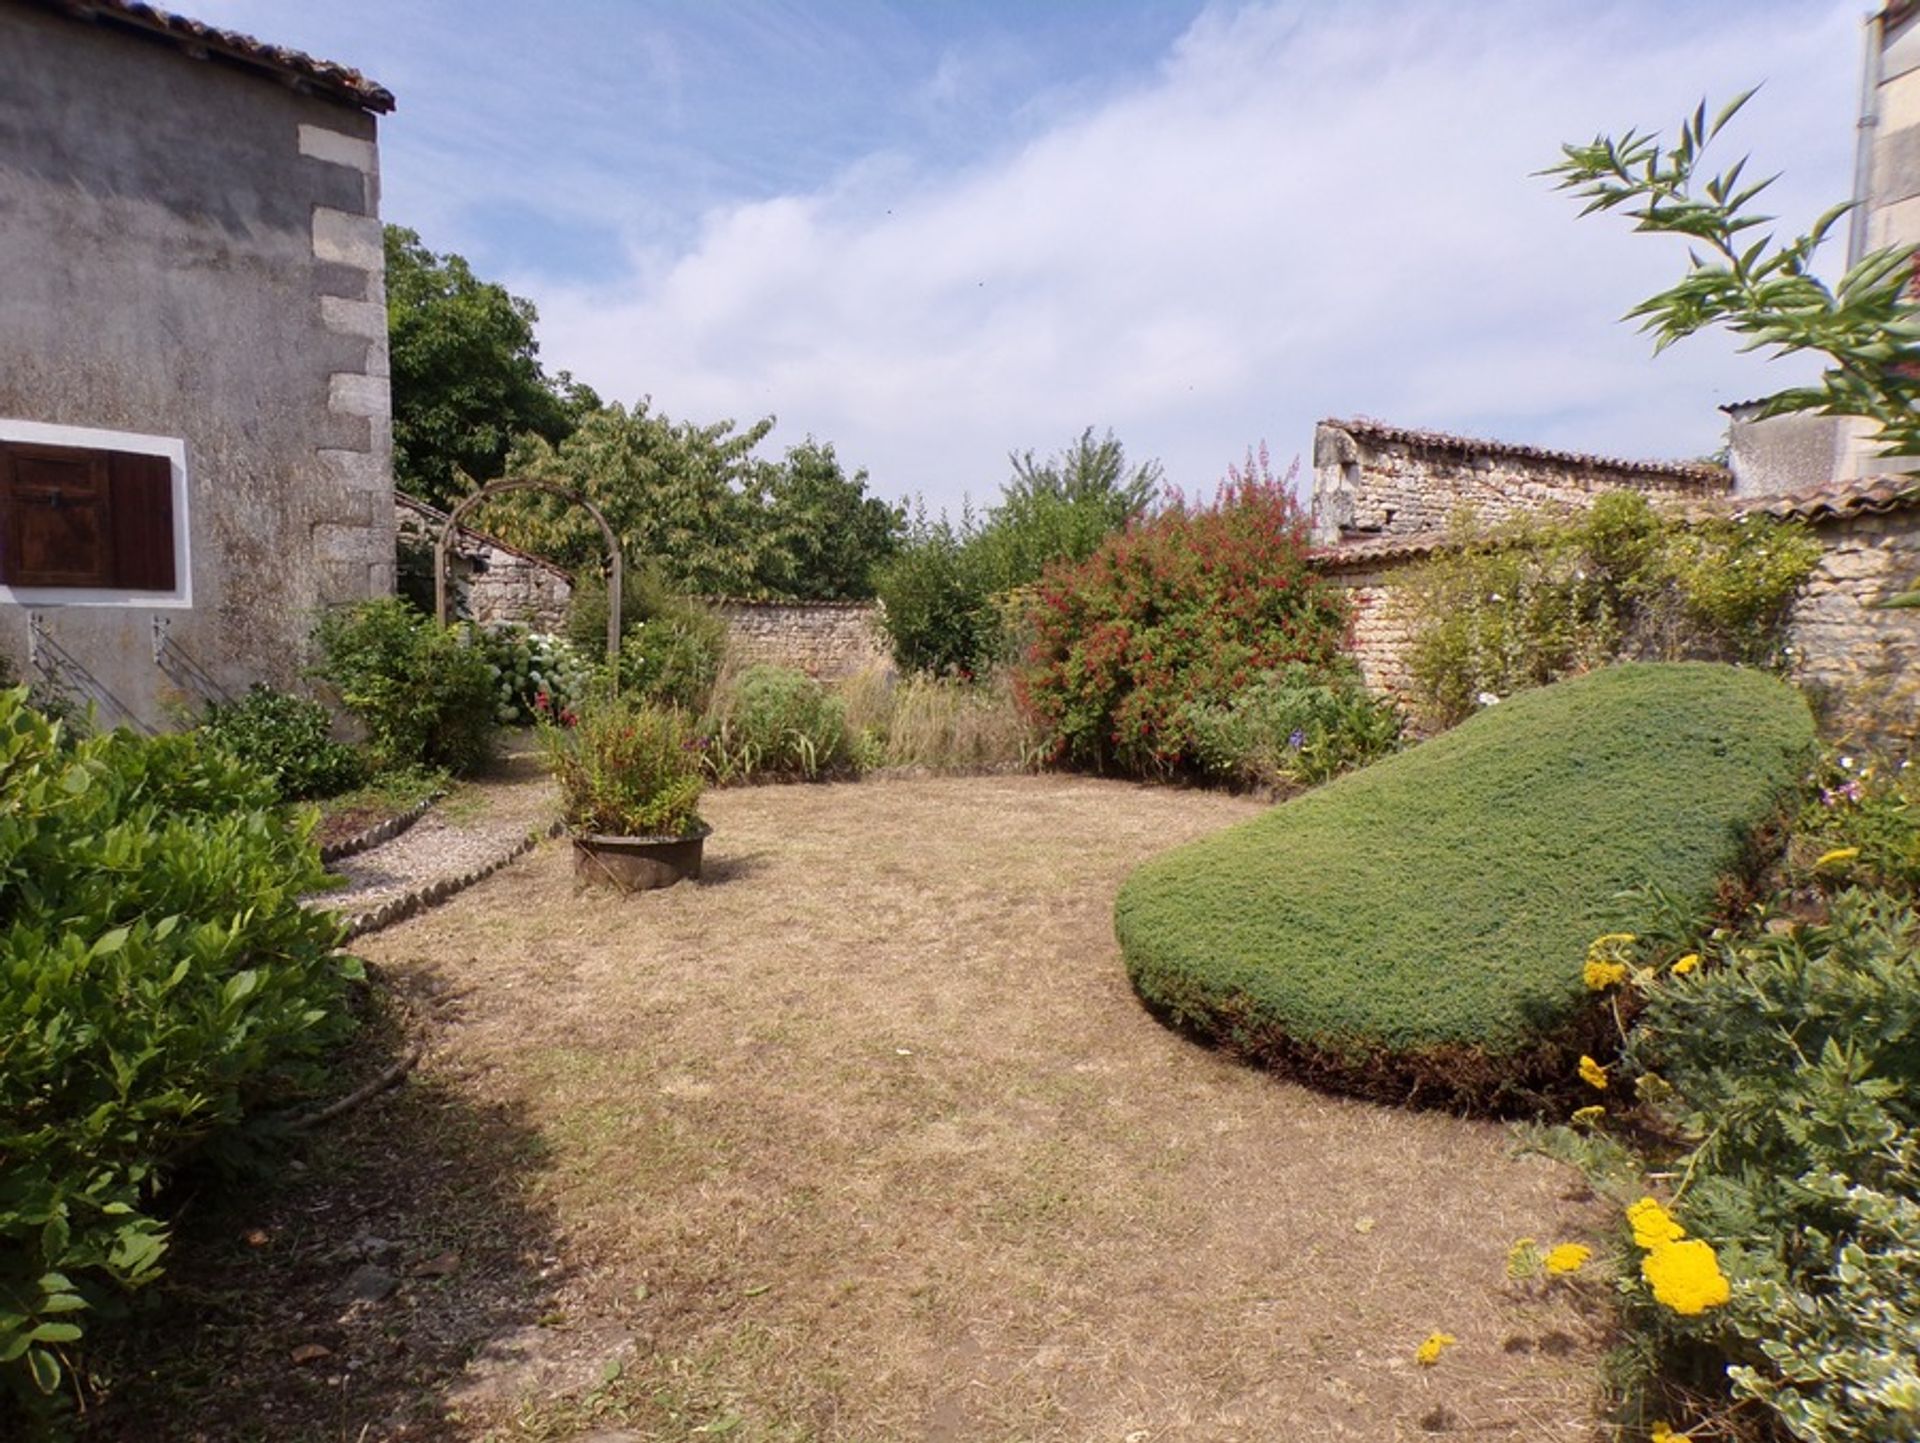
(1686, 964)
(1686, 1276)
(1588, 1116)
(1652, 1224)
(1592, 1073)
(1663, 1434)
(1428, 1353)
(1600, 974)
(1567, 1258)
(1609, 939)
(1835, 857)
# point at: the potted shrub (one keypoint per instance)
(630, 778)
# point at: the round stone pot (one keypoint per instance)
(638, 864)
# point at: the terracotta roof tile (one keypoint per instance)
(1375, 549)
(1835, 500)
(324, 76)
(439, 519)
(1705, 475)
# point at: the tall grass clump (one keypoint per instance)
(939, 724)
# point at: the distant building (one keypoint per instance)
(195, 431)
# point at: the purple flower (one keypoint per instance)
(1297, 740)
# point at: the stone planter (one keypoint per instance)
(638, 864)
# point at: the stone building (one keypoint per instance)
(491, 582)
(195, 435)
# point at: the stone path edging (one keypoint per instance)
(398, 909)
(376, 834)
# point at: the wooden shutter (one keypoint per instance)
(141, 488)
(57, 527)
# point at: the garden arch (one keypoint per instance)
(498, 488)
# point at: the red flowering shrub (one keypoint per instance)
(1184, 607)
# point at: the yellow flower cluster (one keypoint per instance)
(1683, 1273)
(1835, 857)
(1686, 964)
(1686, 1277)
(1652, 1224)
(1604, 967)
(1589, 1116)
(1567, 1258)
(1600, 974)
(1592, 1073)
(1428, 1353)
(1663, 1434)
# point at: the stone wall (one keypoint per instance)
(1866, 659)
(1863, 660)
(1371, 479)
(192, 265)
(492, 583)
(822, 638)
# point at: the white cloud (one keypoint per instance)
(1307, 211)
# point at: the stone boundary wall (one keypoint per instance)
(825, 639)
(1865, 660)
(492, 583)
(1375, 480)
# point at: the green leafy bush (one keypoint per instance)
(159, 982)
(426, 695)
(287, 738)
(625, 767)
(1294, 726)
(1406, 931)
(1178, 612)
(1861, 825)
(770, 723)
(1540, 599)
(671, 648)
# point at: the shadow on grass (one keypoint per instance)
(341, 1296)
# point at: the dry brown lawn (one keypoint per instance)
(866, 1137)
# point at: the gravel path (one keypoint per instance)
(484, 825)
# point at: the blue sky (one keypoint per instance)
(932, 233)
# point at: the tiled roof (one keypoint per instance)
(1706, 475)
(1375, 549)
(322, 76)
(1836, 500)
(438, 518)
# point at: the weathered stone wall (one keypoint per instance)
(1868, 659)
(1371, 479)
(822, 638)
(1865, 660)
(191, 251)
(491, 582)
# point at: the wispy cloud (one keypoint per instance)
(933, 242)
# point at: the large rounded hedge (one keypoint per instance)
(1416, 930)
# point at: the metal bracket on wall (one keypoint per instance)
(67, 677)
(182, 669)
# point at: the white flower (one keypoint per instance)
(1487, 698)
(1847, 762)
(1493, 596)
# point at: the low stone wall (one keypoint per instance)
(492, 583)
(821, 638)
(1867, 659)
(1375, 480)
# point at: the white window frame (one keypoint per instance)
(88, 438)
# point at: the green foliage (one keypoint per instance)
(1762, 290)
(1861, 827)
(527, 665)
(625, 768)
(671, 648)
(426, 695)
(287, 739)
(770, 723)
(1417, 928)
(1174, 615)
(954, 595)
(1294, 726)
(466, 373)
(821, 537)
(1541, 599)
(159, 981)
(1780, 1084)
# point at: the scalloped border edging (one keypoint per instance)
(398, 909)
(376, 834)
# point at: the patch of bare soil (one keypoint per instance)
(865, 1137)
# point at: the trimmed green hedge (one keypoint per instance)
(1416, 930)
